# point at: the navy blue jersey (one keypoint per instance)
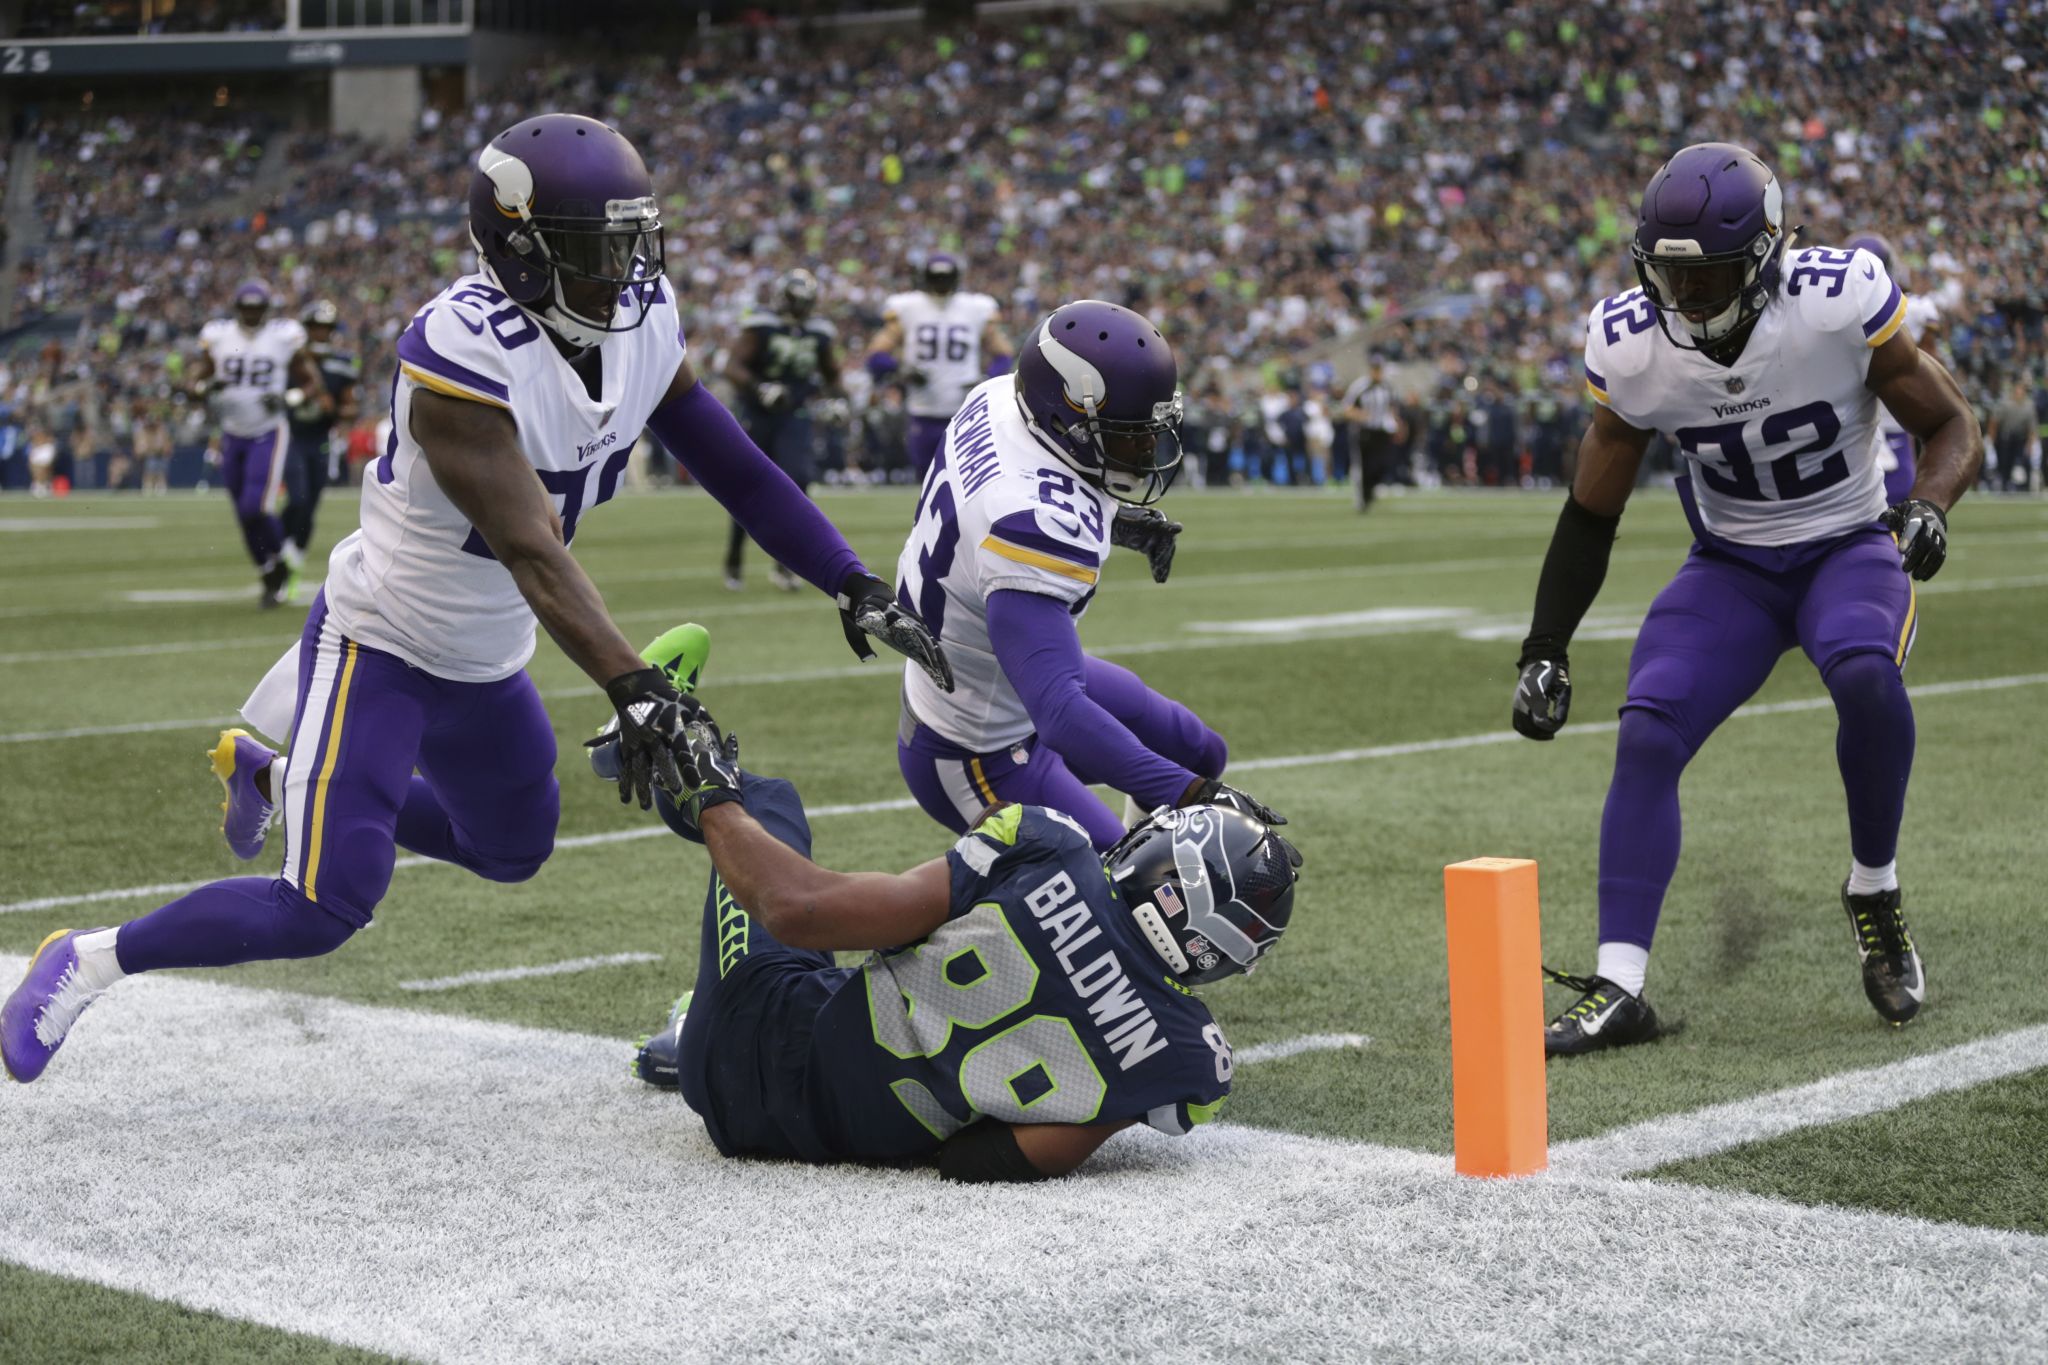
(793, 354)
(1036, 1002)
(340, 372)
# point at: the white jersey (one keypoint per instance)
(999, 511)
(253, 370)
(1921, 311)
(1783, 444)
(942, 337)
(418, 580)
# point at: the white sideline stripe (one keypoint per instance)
(1294, 625)
(78, 523)
(1294, 1047)
(455, 1161)
(1850, 1095)
(46, 656)
(573, 965)
(139, 727)
(1372, 752)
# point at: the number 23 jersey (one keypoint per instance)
(1784, 443)
(417, 580)
(998, 512)
(1037, 1002)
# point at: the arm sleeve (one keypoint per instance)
(1040, 653)
(1573, 570)
(986, 1153)
(703, 437)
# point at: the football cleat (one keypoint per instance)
(1605, 1016)
(275, 579)
(36, 1018)
(784, 579)
(246, 812)
(1892, 975)
(659, 1061)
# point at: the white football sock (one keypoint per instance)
(1625, 965)
(98, 966)
(293, 553)
(1863, 881)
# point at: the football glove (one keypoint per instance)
(867, 607)
(832, 412)
(1543, 698)
(1922, 531)
(1214, 793)
(651, 719)
(1148, 531)
(770, 395)
(912, 377)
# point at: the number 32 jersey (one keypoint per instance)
(1784, 443)
(418, 580)
(998, 512)
(1037, 1002)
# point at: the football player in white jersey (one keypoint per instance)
(1923, 327)
(520, 393)
(245, 365)
(1765, 366)
(1018, 512)
(938, 342)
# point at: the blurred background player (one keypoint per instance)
(783, 361)
(1767, 367)
(1004, 556)
(313, 415)
(938, 342)
(1017, 1009)
(245, 365)
(1923, 328)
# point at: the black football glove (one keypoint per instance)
(867, 607)
(651, 719)
(711, 769)
(1922, 530)
(1215, 793)
(1543, 698)
(913, 377)
(1148, 531)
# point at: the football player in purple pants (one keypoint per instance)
(1766, 367)
(520, 393)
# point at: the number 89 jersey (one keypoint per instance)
(998, 512)
(1037, 1002)
(1784, 443)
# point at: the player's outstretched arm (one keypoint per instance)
(992, 1152)
(807, 906)
(1574, 568)
(1924, 396)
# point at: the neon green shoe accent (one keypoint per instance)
(1002, 826)
(681, 652)
(1202, 1113)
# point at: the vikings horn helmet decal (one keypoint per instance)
(1099, 388)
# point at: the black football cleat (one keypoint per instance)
(1892, 975)
(1605, 1016)
(659, 1060)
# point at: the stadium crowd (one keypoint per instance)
(1283, 187)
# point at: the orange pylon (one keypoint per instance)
(1500, 1115)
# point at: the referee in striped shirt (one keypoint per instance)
(1369, 406)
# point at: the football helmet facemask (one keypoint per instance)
(1211, 888)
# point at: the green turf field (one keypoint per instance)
(1384, 660)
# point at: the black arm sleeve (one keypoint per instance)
(986, 1153)
(1573, 571)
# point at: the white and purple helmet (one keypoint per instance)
(1099, 388)
(562, 206)
(1710, 237)
(253, 302)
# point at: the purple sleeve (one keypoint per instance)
(1040, 653)
(704, 439)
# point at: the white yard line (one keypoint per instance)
(45, 656)
(1852, 1094)
(1294, 1047)
(372, 1176)
(1359, 755)
(568, 968)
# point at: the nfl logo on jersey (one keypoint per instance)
(1735, 386)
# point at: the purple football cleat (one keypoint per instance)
(43, 1008)
(245, 814)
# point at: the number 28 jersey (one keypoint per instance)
(998, 512)
(1037, 1002)
(1784, 443)
(417, 580)
(251, 367)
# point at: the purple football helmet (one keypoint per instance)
(1211, 889)
(1878, 245)
(562, 210)
(1710, 238)
(941, 273)
(253, 301)
(1099, 388)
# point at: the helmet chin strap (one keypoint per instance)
(574, 330)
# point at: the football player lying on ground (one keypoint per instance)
(1018, 1007)
(1039, 475)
